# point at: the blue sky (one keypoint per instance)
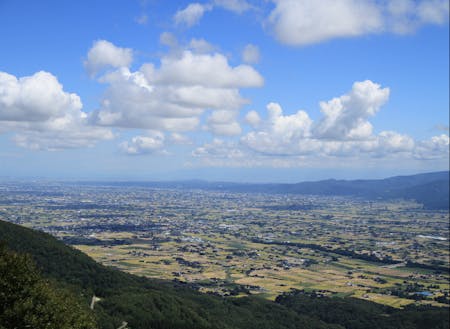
(281, 90)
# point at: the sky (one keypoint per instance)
(230, 90)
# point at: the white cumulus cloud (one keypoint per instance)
(434, 148)
(253, 119)
(193, 12)
(219, 149)
(223, 123)
(281, 134)
(43, 115)
(190, 15)
(104, 54)
(208, 70)
(34, 98)
(343, 132)
(345, 117)
(153, 142)
(303, 22)
(173, 96)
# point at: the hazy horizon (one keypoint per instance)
(220, 178)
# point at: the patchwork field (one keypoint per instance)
(390, 252)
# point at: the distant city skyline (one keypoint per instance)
(223, 90)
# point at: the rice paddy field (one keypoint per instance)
(391, 252)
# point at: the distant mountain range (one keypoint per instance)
(429, 189)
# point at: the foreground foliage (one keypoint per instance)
(28, 301)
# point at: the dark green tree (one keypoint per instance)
(29, 301)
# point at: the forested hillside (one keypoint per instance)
(29, 301)
(144, 303)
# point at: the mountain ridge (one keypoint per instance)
(396, 187)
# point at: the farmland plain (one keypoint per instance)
(391, 252)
